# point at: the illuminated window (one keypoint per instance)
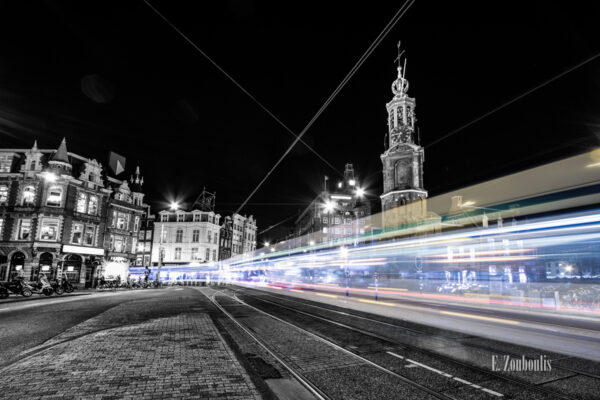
(1, 226)
(54, 198)
(136, 223)
(324, 230)
(177, 253)
(133, 245)
(90, 231)
(81, 202)
(118, 244)
(3, 194)
(194, 253)
(28, 196)
(24, 231)
(6, 163)
(93, 205)
(49, 229)
(179, 236)
(196, 235)
(122, 221)
(163, 236)
(76, 233)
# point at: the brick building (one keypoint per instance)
(56, 210)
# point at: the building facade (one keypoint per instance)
(54, 209)
(335, 214)
(183, 237)
(226, 238)
(145, 239)
(402, 160)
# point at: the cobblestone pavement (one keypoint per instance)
(183, 356)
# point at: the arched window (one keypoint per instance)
(17, 264)
(28, 196)
(179, 236)
(54, 198)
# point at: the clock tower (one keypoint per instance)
(403, 156)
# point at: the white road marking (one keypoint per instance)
(437, 371)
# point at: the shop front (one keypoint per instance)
(79, 263)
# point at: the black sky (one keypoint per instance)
(114, 76)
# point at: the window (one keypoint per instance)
(209, 236)
(93, 205)
(179, 236)
(194, 253)
(3, 194)
(164, 218)
(90, 231)
(214, 255)
(24, 229)
(210, 219)
(49, 229)
(196, 217)
(76, 233)
(163, 236)
(348, 231)
(133, 245)
(204, 217)
(136, 223)
(118, 244)
(207, 255)
(177, 253)
(337, 220)
(81, 202)
(122, 221)
(215, 238)
(28, 196)
(196, 235)
(324, 230)
(1, 226)
(54, 198)
(180, 217)
(5, 163)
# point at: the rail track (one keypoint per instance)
(330, 319)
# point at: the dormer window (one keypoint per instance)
(196, 217)
(93, 205)
(180, 217)
(164, 218)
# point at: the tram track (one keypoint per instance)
(529, 386)
(417, 331)
(419, 391)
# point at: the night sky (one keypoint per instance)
(114, 76)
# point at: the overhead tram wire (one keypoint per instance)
(241, 87)
(519, 97)
(277, 224)
(350, 74)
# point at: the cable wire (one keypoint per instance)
(241, 87)
(359, 63)
(519, 97)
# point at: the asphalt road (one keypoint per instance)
(27, 324)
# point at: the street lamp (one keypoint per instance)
(174, 205)
(360, 192)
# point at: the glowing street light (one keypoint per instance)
(360, 192)
(174, 205)
(311, 243)
(267, 244)
(329, 206)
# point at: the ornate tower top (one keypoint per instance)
(400, 85)
(401, 109)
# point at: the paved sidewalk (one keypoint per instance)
(182, 357)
